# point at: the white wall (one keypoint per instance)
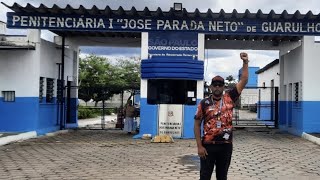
(266, 77)
(293, 66)
(310, 64)
(50, 55)
(292, 72)
(249, 96)
(19, 72)
(20, 69)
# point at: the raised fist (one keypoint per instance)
(244, 56)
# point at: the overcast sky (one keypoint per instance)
(222, 62)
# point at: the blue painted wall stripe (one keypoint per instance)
(148, 118)
(311, 122)
(28, 114)
(19, 116)
(188, 124)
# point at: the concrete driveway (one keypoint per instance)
(112, 154)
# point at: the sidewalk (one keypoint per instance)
(110, 121)
(115, 155)
(315, 138)
(6, 138)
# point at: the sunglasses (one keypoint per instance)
(217, 84)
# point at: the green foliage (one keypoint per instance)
(86, 113)
(230, 82)
(100, 79)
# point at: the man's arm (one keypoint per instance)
(197, 132)
(245, 74)
(202, 152)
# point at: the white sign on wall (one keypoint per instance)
(170, 120)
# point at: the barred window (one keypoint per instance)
(49, 95)
(296, 92)
(8, 96)
(41, 88)
(60, 84)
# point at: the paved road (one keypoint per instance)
(112, 154)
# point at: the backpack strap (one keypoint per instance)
(204, 105)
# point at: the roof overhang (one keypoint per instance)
(15, 43)
(268, 66)
(216, 25)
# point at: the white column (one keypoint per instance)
(144, 55)
(33, 62)
(201, 45)
(282, 90)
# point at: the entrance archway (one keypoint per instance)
(288, 33)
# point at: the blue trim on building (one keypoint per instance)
(311, 122)
(188, 123)
(296, 118)
(285, 116)
(148, 119)
(264, 112)
(172, 68)
(282, 114)
(19, 116)
(28, 114)
(253, 77)
(291, 116)
(74, 110)
(48, 119)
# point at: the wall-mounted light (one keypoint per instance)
(177, 6)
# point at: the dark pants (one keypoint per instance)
(219, 155)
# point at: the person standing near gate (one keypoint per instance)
(215, 147)
(129, 114)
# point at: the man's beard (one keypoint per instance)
(217, 93)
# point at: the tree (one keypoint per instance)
(230, 82)
(129, 73)
(95, 77)
(100, 79)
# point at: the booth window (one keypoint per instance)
(41, 85)
(8, 96)
(49, 95)
(167, 91)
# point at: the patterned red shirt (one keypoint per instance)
(217, 125)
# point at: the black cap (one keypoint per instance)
(217, 79)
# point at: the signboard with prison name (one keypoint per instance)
(239, 26)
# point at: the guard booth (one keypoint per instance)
(171, 83)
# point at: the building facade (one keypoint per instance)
(29, 73)
(172, 51)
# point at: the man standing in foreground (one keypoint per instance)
(215, 147)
